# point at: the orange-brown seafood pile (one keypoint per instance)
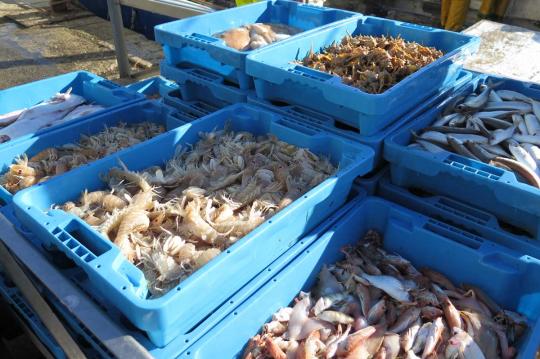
(26, 172)
(372, 64)
(171, 221)
(375, 304)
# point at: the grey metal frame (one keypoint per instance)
(178, 9)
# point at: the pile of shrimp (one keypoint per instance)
(171, 221)
(53, 161)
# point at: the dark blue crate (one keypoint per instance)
(125, 286)
(136, 112)
(93, 88)
(14, 297)
(196, 83)
(486, 187)
(507, 276)
(458, 214)
(307, 117)
(190, 41)
(193, 99)
(278, 78)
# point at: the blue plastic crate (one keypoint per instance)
(154, 87)
(192, 99)
(136, 112)
(277, 77)
(307, 117)
(183, 341)
(190, 41)
(486, 187)
(125, 286)
(202, 84)
(93, 88)
(14, 297)
(456, 213)
(509, 277)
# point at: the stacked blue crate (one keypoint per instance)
(509, 277)
(486, 187)
(124, 285)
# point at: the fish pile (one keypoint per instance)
(171, 221)
(61, 108)
(254, 36)
(372, 63)
(53, 161)
(497, 127)
(378, 305)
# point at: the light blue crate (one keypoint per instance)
(307, 117)
(486, 187)
(124, 285)
(154, 87)
(93, 88)
(183, 341)
(197, 83)
(509, 277)
(190, 41)
(278, 77)
(136, 112)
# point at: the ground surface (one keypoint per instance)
(35, 44)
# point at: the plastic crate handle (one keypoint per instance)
(99, 257)
(303, 113)
(108, 84)
(450, 205)
(455, 234)
(199, 40)
(206, 75)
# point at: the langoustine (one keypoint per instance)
(395, 311)
(53, 161)
(172, 221)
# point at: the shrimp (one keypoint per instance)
(135, 220)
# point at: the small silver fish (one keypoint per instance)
(522, 156)
(496, 114)
(495, 122)
(477, 150)
(501, 135)
(520, 106)
(532, 124)
(536, 108)
(444, 120)
(509, 95)
(476, 102)
(460, 148)
(519, 123)
(535, 140)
